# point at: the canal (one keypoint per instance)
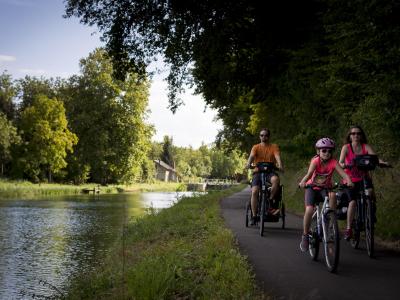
(45, 243)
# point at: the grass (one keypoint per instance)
(183, 252)
(25, 189)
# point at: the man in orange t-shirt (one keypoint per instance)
(264, 152)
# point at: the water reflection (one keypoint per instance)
(45, 242)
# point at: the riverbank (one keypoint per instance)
(26, 189)
(183, 252)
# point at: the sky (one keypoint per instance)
(36, 40)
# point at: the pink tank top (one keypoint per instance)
(322, 175)
(355, 174)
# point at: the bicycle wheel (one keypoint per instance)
(248, 213)
(313, 248)
(331, 240)
(262, 213)
(369, 226)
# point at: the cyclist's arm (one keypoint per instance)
(250, 160)
(343, 174)
(342, 157)
(278, 161)
(311, 170)
(372, 152)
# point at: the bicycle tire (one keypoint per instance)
(283, 216)
(313, 248)
(248, 212)
(369, 226)
(262, 213)
(331, 241)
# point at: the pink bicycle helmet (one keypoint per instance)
(325, 143)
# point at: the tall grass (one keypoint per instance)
(26, 189)
(183, 252)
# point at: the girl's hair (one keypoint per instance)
(363, 138)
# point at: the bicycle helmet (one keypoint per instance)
(325, 143)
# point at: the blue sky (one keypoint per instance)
(36, 40)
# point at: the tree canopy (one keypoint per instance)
(302, 68)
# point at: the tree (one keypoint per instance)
(167, 154)
(303, 68)
(108, 116)
(29, 88)
(8, 138)
(7, 94)
(46, 138)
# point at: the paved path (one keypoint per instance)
(284, 271)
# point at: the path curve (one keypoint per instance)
(287, 273)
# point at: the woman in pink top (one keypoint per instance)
(319, 175)
(356, 144)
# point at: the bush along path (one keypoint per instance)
(183, 252)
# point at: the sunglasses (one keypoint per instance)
(355, 133)
(326, 150)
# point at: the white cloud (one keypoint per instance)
(34, 72)
(7, 58)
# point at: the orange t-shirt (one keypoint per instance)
(264, 153)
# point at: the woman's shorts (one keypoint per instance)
(312, 197)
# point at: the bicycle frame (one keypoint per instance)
(324, 228)
(363, 221)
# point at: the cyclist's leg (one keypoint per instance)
(309, 209)
(332, 200)
(351, 210)
(254, 199)
(275, 184)
(308, 213)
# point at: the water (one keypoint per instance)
(44, 243)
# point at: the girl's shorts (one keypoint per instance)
(312, 197)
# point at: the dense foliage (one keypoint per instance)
(303, 68)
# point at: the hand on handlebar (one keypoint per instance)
(302, 184)
(385, 164)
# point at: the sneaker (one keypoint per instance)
(304, 243)
(252, 221)
(348, 234)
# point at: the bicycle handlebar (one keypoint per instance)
(264, 166)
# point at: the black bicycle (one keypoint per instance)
(364, 217)
(264, 206)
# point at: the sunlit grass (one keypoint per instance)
(183, 252)
(25, 189)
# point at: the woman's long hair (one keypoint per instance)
(363, 139)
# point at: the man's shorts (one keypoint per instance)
(312, 197)
(354, 192)
(256, 181)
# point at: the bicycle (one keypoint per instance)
(264, 205)
(364, 217)
(324, 228)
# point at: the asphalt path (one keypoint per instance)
(282, 270)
